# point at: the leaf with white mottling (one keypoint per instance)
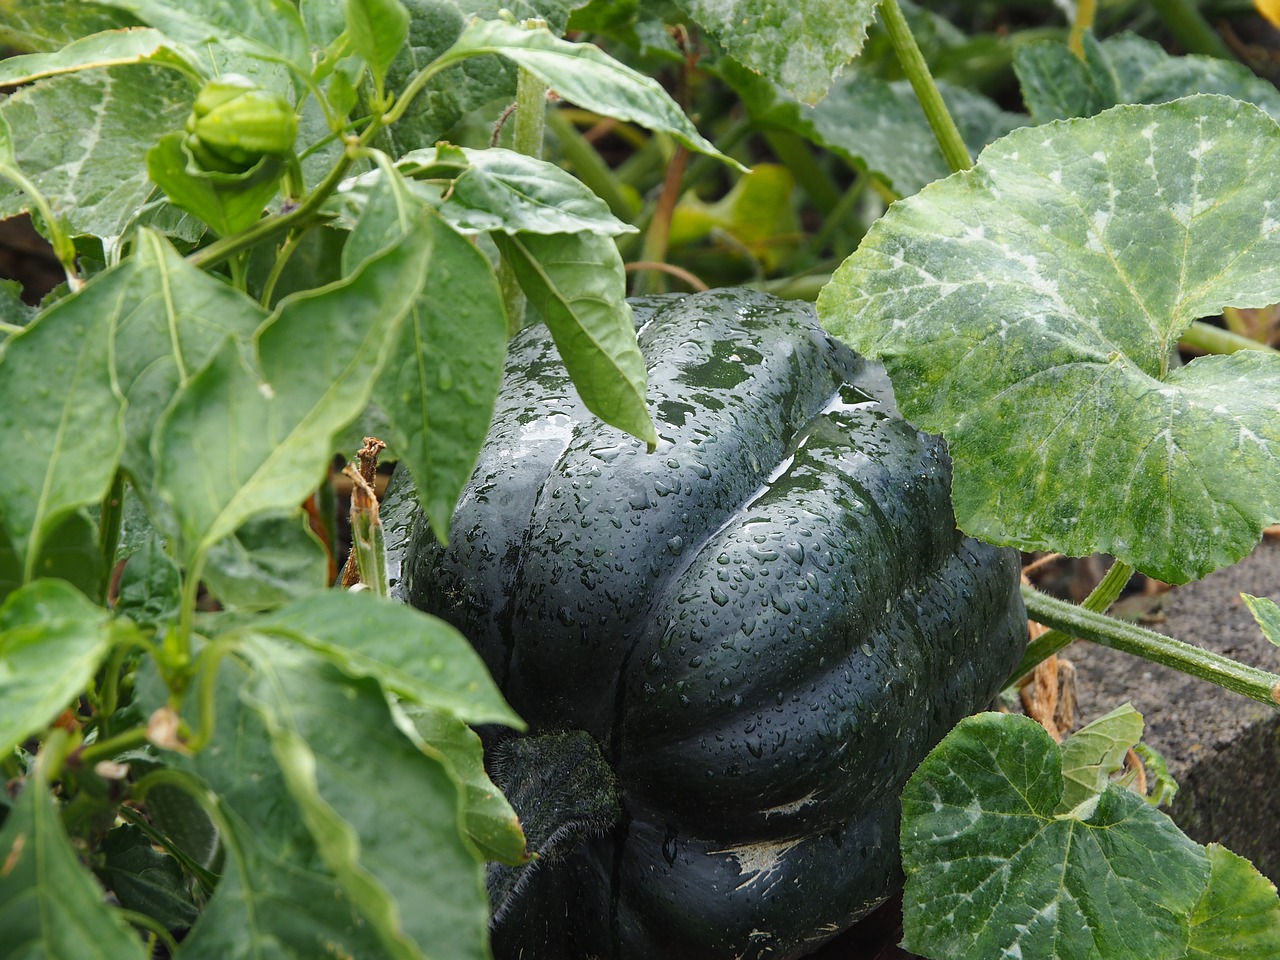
(799, 44)
(874, 123)
(1056, 84)
(993, 872)
(82, 139)
(111, 49)
(52, 24)
(1027, 310)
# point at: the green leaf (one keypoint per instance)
(167, 324)
(577, 285)
(417, 657)
(490, 822)
(70, 552)
(1093, 753)
(50, 906)
(267, 562)
(150, 589)
(992, 872)
(109, 49)
(585, 75)
(378, 29)
(235, 444)
(275, 898)
(875, 124)
(13, 311)
(1266, 613)
(52, 24)
(228, 202)
(497, 189)
(799, 44)
(1238, 918)
(144, 879)
(1161, 786)
(333, 739)
(1056, 84)
(52, 640)
(244, 33)
(82, 139)
(1027, 310)
(439, 386)
(60, 410)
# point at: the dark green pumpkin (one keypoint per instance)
(764, 627)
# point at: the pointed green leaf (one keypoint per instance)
(498, 189)
(235, 444)
(1093, 753)
(1266, 613)
(439, 386)
(228, 202)
(490, 822)
(1027, 309)
(992, 872)
(50, 905)
(150, 590)
(52, 640)
(70, 552)
(275, 897)
(378, 29)
(60, 413)
(168, 324)
(587, 76)
(576, 283)
(109, 49)
(418, 657)
(333, 738)
(799, 44)
(1238, 918)
(82, 138)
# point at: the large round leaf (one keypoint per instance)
(1029, 308)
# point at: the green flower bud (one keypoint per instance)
(235, 123)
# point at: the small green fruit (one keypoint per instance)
(235, 123)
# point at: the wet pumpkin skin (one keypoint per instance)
(764, 626)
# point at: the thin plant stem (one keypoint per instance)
(1100, 599)
(109, 520)
(909, 56)
(1195, 661)
(1211, 339)
(531, 122)
(1187, 23)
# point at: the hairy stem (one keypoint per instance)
(940, 120)
(1108, 632)
(1099, 600)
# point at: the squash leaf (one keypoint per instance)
(1238, 918)
(800, 45)
(1028, 308)
(993, 870)
(1093, 753)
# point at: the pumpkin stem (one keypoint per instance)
(563, 791)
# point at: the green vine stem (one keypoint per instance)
(1099, 600)
(1211, 339)
(109, 519)
(1130, 638)
(940, 121)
